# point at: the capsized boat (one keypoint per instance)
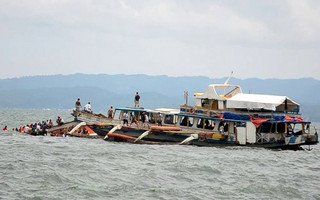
(222, 116)
(74, 129)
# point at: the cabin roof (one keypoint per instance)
(258, 101)
(166, 110)
(134, 109)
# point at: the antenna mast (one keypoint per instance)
(227, 81)
(186, 96)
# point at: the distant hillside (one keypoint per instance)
(61, 91)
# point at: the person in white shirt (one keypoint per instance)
(146, 121)
(125, 118)
(87, 107)
(159, 119)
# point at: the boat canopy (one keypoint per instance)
(262, 102)
(134, 109)
(166, 111)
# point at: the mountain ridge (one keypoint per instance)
(61, 91)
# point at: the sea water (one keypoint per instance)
(44, 167)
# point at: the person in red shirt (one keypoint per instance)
(5, 128)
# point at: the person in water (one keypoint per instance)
(5, 128)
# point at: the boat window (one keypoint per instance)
(168, 119)
(151, 118)
(223, 126)
(117, 114)
(226, 127)
(307, 128)
(190, 121)
(184, 121)
(290, 128)
(208, 124)
(265, 128)
(273, 128)
(241, 124)
(200, 123)
(204, 102)
(211, 125)
(281, 127)
(298, 129)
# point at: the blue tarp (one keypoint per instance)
(236, 117)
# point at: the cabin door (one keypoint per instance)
(251, 133)
(242, 135)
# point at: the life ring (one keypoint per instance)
(192, 111)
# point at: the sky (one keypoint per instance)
(254, 39)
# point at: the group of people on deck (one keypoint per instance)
(87, 107)
(144, 119)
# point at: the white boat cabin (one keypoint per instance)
(225, 97)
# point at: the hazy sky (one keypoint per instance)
(264, 39)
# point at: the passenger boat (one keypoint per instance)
(234, 118)
(222, 116)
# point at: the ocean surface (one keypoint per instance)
(43, 167)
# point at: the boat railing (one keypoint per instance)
(211, 113)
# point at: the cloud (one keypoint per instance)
(172, 37)
(306, 15)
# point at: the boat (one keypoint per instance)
(223, 116)
(242, 119)
(72, 129)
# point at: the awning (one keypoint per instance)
(262, 102)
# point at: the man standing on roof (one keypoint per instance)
(78, 105)
(136, 100)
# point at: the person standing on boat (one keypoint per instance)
(221, 127)
(87, 108)
(145, 120)
(78, 105)
(125, 118)
(110, 112)
(133, 119)
(137, 100)
(50, 123)
(159, 119)
(60, 121)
